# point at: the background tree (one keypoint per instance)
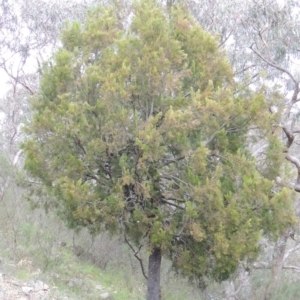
(139, 129)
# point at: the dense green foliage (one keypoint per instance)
(137, 130)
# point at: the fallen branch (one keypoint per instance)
(291, 268)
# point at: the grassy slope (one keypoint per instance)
(34, 245)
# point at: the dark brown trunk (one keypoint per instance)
(153, 285)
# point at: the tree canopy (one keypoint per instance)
(139, 128)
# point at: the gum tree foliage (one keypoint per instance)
(138, 128)
(29, 34)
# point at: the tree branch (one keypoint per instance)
(226, 39)
(275, 66)
(272, 64)
(289, 252)
(294, 160)
(289, 136)
(292, 186)
(172, 204)
(137, 257)
(170, 161)
(291, 268)
(244, 69)
(79, 144)
(16, 79)
(214, 134)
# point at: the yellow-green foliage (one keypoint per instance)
(136, 130)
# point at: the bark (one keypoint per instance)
(153, 284)
(277, 264)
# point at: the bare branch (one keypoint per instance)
(289, 136)
(136, 252)
(294, 160)
(289, 252)
(292, 186)
(276, 67)
(244, 69)
(17, 80)
(291, 268)
(17, 156)
(226, 39)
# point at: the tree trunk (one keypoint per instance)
(153, 285)
(277, 263)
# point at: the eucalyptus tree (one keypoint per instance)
(29, 34)
(138, 128)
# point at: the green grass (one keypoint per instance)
(30, 248)
(69, 276)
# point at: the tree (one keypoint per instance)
(261, 39)
(139, 129)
